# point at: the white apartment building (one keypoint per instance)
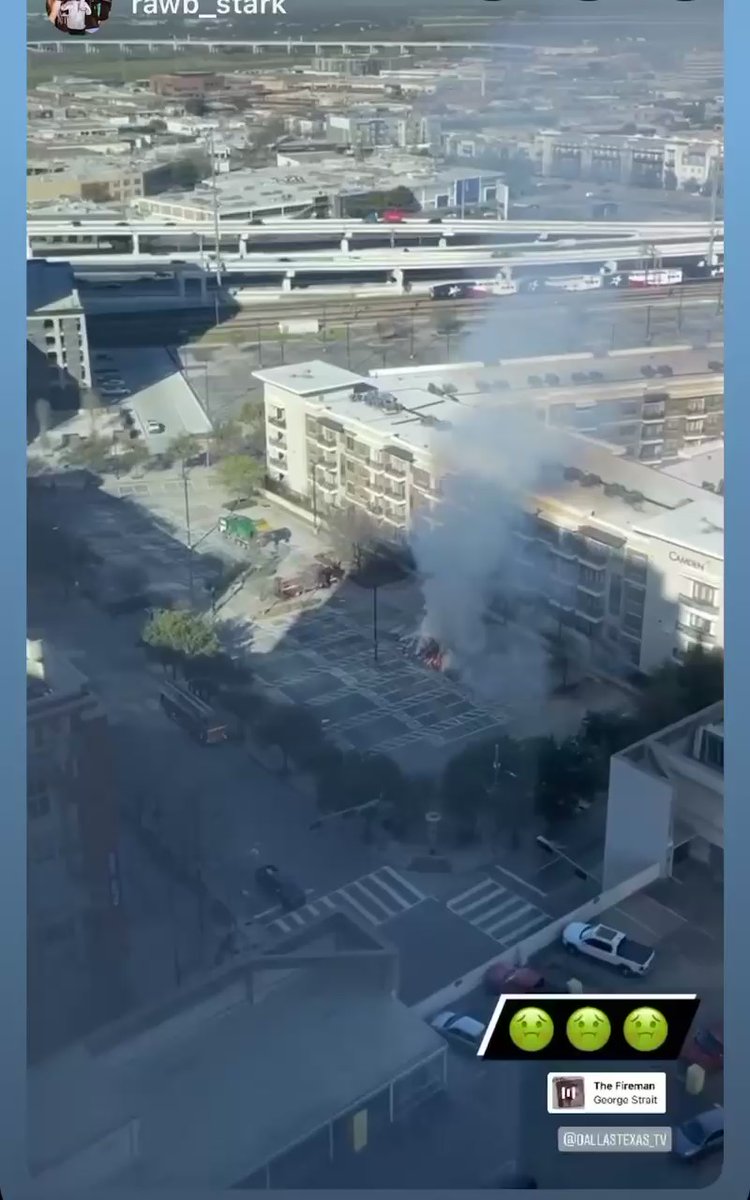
(56, 329)
(629, 159)
(631, 559)
(666, 799)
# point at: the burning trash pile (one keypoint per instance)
(426, 649)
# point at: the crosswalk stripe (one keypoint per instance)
(374, 920)
(497, 912)
(453, 904)
(403, 883)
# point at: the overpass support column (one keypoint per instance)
(344, 246)
(180, 281)
(398, 278)
(443, 243)
(136, 243)
(286, 284)
(243, 246)
(204, 287)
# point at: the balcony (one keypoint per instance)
(327, 483)
(699, 636)
(703, 606)
(594, 587)
(278, 420)
(360, 455)
(325, 440)
(590, 557)
(653, 412)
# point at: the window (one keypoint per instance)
(615, 595)
(701, 624)
(632, 623)
(703, 593)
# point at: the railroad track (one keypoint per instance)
(351, 311)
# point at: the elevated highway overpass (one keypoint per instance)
(46, 237)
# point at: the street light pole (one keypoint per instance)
(186, 492)
(217, 233)
(375, 624)
(714, 204)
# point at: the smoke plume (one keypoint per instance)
(466, 551)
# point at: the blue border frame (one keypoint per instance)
(735, 1181)
(13, 625)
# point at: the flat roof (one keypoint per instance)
(216, 1104)
(50, 289)
(309, 378)
(656, 505)
(706, 465)
(699, 526)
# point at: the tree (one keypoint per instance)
(43, 411)
(465, 784)
(183, 448)
(353, 533)
(296, 731)
(91, 403)
(566, 777)
(241, 474)
(176, 636)
(92, 453)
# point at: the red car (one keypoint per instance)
(502, 980)
(706, 1048)
(393, 216)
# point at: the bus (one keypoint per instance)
(194, 715)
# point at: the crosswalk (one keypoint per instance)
(375, 898)
(503, 915)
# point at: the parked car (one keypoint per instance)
(535, 381)
(155, 427)
(608, 946)
(700, 1135)
(596, 377)
(464, 1032)
(665, 370)
(648, 371)
(551, 379)
(706, 1048)
(716, 364)
(280, 888)
(502, 979)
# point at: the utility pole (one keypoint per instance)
(186, 492)
(217, 233)
(715, 167)
(375, 623)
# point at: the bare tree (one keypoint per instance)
(91, 403)
(43, 410)
(352, 531)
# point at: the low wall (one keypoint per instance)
(520, 954)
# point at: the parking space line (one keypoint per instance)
(636, 921)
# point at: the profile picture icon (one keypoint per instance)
(78, 17)
(568, 1091)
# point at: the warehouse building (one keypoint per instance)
(632, 558)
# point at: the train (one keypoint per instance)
(477, 289)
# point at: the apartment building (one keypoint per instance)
(628, 558)
(74, 915)
(56, 331)
(616, 158)
(666, 799)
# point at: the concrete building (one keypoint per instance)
(293, 188)
(261, 1075)
(75, 932)
(631, 559)
(666, 796)
(51, 179)
(618, 158)
(59, 363)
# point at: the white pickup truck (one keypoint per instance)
(608, 946)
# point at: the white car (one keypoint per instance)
(609, 946)
(155, 427)
(464, 1032)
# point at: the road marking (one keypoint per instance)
(497, 912)
(377, 898)
(518, 879)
